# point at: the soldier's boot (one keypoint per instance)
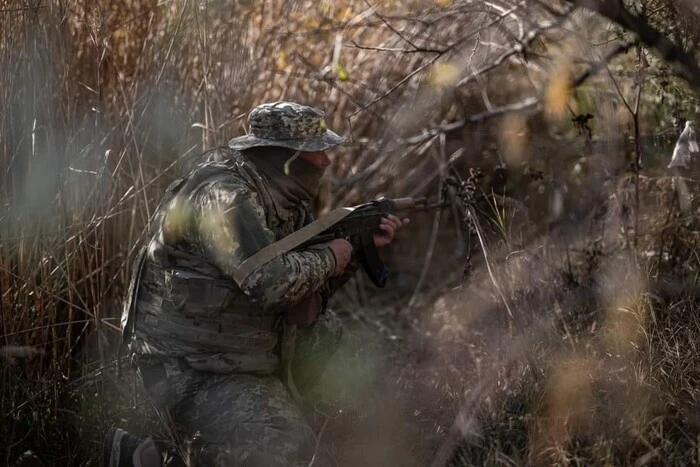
(28, 459)
(122, 449)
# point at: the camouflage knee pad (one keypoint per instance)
(230, 419)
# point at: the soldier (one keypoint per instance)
(217, 356)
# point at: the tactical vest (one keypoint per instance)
(181, 303)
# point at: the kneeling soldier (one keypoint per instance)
(219, 356)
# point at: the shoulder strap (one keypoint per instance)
(289, 242)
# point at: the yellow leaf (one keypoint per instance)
(443, 3)
(342, 72)
(558, 92)
(514, 140)
(443, 75)
(281, 61)
(312, 23)
(325, 8)
(120, 34)
(346, 15)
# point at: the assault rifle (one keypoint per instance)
(360, 226)
(357, 225)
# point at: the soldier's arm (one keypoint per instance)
(335, 283)
(232, 228)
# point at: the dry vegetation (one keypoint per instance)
(556, 324)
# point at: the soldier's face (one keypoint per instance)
(318, 158)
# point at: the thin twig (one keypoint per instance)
(684, 63)
(530, 103)
(394, 49)
(318, 441)
(449, 48)
(26, 8)
(435, 228)
(56, 297)
(519, 48)
(398, 33)
(482, 241)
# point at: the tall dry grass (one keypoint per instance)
(101, 100)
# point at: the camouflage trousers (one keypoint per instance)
(240, 419)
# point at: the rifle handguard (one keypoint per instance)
(400, 204)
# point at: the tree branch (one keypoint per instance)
(526, 104)
(394, 49)
(530, 103)
(520, 47)
(434, 59)
(684, 63)
(398, 33)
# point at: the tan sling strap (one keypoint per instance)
(289, 242)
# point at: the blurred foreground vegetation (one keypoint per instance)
(555, 324)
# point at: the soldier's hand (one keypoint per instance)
(388, 226)
(342, 250)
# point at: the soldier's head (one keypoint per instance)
(288, 143)
(299, 128)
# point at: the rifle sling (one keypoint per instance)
(289, 242)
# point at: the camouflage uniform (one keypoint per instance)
(208, 348)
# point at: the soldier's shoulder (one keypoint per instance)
(222, 157)
(220, 165)
(222, 174)
(220, 154)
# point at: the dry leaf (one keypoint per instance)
(558, 92)
(514, 139)
(443, 75)
(342, 72)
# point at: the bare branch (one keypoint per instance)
(393, 49)
(519, 48)
(684, 63)
(24, 8)
(433, 59)
(621, 48)
(397, 85)
(528, 104)
(393, 29)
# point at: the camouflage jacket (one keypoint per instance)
(183, 300)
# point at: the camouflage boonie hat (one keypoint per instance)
(289, 125)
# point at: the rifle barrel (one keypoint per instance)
(429, 207)
(424, 207)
